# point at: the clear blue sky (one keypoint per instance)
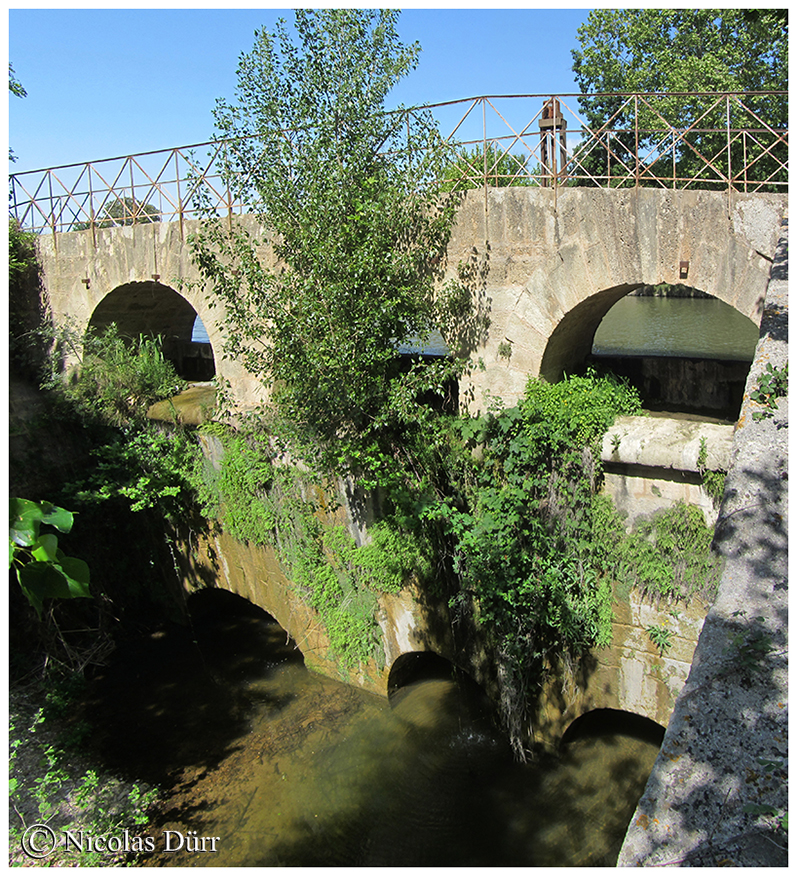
(104, 82)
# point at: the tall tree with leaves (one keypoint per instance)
(674, 51)
(346, 191)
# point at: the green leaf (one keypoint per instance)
(25, 516)
(45, 548)
(76, 574)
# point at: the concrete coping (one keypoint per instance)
(668, 443)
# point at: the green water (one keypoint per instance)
(285, 767)
(653, 326)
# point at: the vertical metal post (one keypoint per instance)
(229, 198)
(744, 159)
(92, 223)
(178, 189)
(674, 162)
(730, 165)
(636, 136)
(133, 195)
(52, 211)
(485, 176)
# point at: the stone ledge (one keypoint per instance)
(668, 443)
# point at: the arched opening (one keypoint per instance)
(607, 721)
(238, 637)
(411, 667)
(174, 694)
(151, 308)
(423, 685)
(685, 351)
(571, 342)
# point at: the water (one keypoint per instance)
(290, 768)
(199, 332)
(653, 326)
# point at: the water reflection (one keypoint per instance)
(311, 772)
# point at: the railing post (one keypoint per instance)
(133, 194)
(744, 159)
(674, 161)
(230, 205)
(485, 175)
(636, 138)
(52, 211)
(730, 165)
(92, 223)
(178, 190)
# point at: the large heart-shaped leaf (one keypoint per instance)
(25, 516)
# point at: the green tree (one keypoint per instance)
(347, 191)
(682, 50)
(28, 320)
(16, 88)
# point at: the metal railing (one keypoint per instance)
(689, 140)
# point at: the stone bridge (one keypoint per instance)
(547, 266)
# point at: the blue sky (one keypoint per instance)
(104, 82)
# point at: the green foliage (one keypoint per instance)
(524, 526)
(661, 637)
(262, 501)
(714, 485)
(26, 310)
(118, 378)
(14, 85)
(668, 555)
(662, 51)
(87, 800)
(16, 88)
(22, 257)
(43, 570)
(354, 215)
(713, 480)
(772, 384)
(146, 467)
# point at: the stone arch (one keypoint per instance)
(411, 667)
(606, 720)
(571, 341)
(152, 308)
(552, 260)
(428, 666)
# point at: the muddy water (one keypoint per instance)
(286, 767)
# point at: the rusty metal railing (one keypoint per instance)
(733, 142)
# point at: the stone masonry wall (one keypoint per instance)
(725, 752)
